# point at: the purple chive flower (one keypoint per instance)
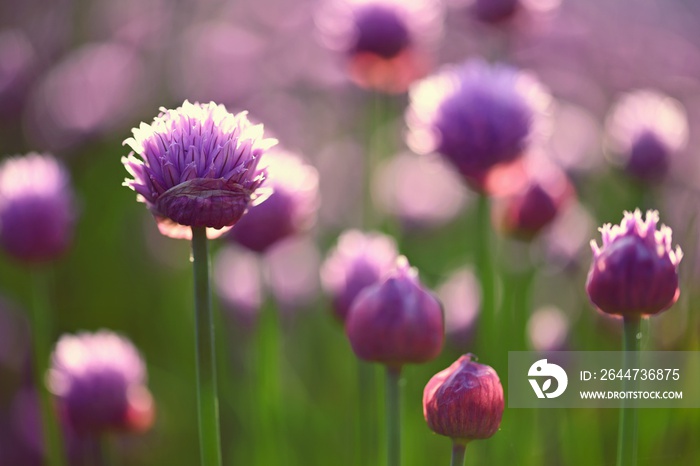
(37, 208)
(290, 209)
(635, 271)
(99, 380)
(464, 401)
(358, 261)
(198, 167)
(645, 130)
(386, 42)
(396, 321)
(477, 116)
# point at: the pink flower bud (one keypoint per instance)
(396, 321)
(464, 401)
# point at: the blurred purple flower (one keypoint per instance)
(464, 401)
(396, 321)
(99, 380)
(237, 281)
(143, 24)
(534, 205)
(386, 42)
(292, 272)
(423, 192)
(645, 129)
(548, 328)
(635, 271)
(17, 63)
(289, 210)
(461, 298)
(234, 52)
(359, 260)
(493, 11)
(198, 167)
(478, 116)
(37, 208)
(94, 90)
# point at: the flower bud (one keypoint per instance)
(464, 401)
(635, 271)
(396, 321)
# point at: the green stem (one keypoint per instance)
(485, 272)
(269, 371)
(367, 412)
(393, 415)
(458, 450)
(627, 438)
(207, 400)
(41, 333)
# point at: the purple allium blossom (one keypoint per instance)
(99, 380)
(37, 208)
(198, 167)
(358, 261)
(464, 401)
(386, 42)
(289, 210)
(635, 271)
(396, 321)
(477, 116)
(645, 130)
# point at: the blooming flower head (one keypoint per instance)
(385, 41)
(198, 167)
(645, 129)
(100, 382)
(635, 271)
(37, 208)
(359, 260)
(290, 209)
(396, 321)
(464, 401)
(477, 116)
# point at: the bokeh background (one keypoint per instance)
(76, 76)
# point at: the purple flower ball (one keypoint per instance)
(358, 261)
(380, 30)
(99, 380)
(396, 321)
(477, 116)
(387, 43)
(645, 130)
(635, 271)
(198, 167)
(37, 208)
(494, 11)
(464, 401)
(289, 210)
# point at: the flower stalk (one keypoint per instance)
(627, 436)
(41, 335)
(393, 415)
(207, 399)
(458, 450)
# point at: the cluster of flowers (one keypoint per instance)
(199, 166)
